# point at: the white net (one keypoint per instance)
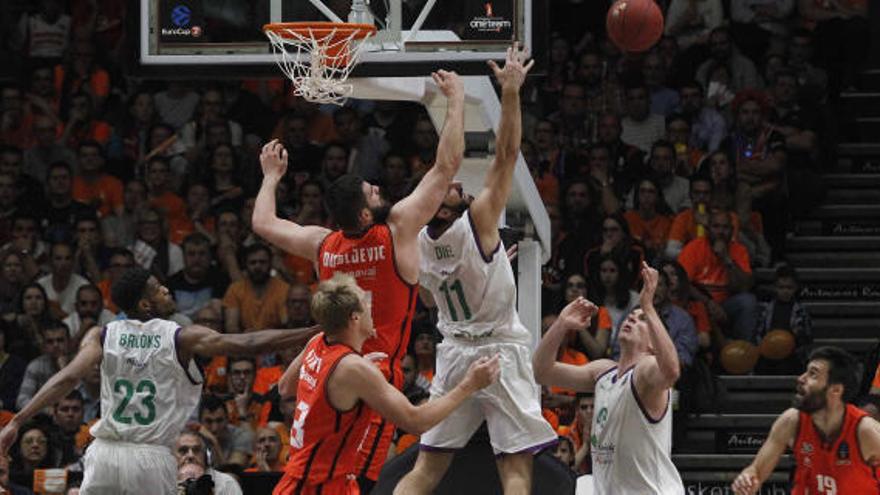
(319, 60)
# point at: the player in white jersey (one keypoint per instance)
(468, 275)
(149, 386)
(632, 419)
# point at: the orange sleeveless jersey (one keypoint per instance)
(836, 468)
(323, 440)
(369, 258)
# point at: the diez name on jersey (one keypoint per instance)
(360, 255)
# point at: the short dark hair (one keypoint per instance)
(130, 288)
(691, 83)
(59, 164)
(256, 247)
(196, 238)
(54, 325)
(677, 116)
(91, 143)
(74, 395)
(345, 200)
(661, 143)
(211, 403)
(92, 287)
(701, 178)
(842, 369)
(235, 359)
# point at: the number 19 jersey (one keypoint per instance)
(474, 293)
(146, 393)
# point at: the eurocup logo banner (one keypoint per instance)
(490, 20)
(181, 21)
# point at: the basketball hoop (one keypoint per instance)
(318, 56)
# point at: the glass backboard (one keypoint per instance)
(414, 36)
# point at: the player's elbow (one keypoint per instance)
(286, 387)
(542, 373)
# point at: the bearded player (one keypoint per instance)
(836, 446)
(471, 281)
(376, 244)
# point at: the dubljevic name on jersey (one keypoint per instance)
(139, 341)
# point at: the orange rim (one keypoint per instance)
(321, 29)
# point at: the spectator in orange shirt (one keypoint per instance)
(257, 301)
(649, 220)
(244, 407)
(80, 74)
(719, 266)
(81, 124)
(545, 181)
(692, 222)
(681, 295)
(267, 452)
(121, 259)
(92, 185)
(579, 433)
(159, 193)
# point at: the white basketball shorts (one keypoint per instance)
(121, 468)
(511, 406)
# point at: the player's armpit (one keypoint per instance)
(869, 441)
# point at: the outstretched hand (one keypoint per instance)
(513, 74)
(273, 160)
(577, 314)
(450, 84)
(649, 286)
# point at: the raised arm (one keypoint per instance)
(303, 241)
(362, 380)
(781, 436)
(489, 204)
(656, 375)
(61, 383)
(411, 213)
(196, 339)
(550, 372)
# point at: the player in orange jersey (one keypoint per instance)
(836, 446)
(377, 244)
(334, 387)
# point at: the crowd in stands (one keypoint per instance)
(683, 156)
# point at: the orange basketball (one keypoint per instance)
(739, 357)
(634, 25)
(777, 344)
